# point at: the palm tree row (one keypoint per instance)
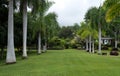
(39, 9)
(97, 18)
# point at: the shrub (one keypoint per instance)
(56, 43)
(114, 52)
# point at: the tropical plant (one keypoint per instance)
(23, 8)
(39, 21)
(85, 32)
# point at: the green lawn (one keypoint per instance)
(63, 63)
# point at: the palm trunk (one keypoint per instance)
(25, 29)
(90, 43)
(86, 44)
(10, 46)
(2, 52)
(99, 48)
(93, 48)
(45, 47)
(116, 40)
(39, 43)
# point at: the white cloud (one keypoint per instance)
(72, 11)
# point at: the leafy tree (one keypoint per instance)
(66, 32)
(52, 26)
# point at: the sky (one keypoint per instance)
(72, 11)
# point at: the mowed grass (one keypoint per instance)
(63, 63)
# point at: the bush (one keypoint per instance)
(104, 48)
(56, 43)
(114, 52)
(115, 49)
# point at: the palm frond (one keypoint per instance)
(113, 12)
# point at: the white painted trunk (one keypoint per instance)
(10, 45)
(25, 29)
(116, 42)
(90, 43)
(39, 43)
(99, 48)
(93, 48)
(86, 44)
(45, 47)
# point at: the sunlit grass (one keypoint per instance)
(63, 63)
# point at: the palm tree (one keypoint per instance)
(23, 8)
(92, 15)
(10, 46)
(85, 32)
(113, 9)
(44, 5)
(25, 28)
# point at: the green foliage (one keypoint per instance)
(66, 32)
(113, 9)
(86, 30)
(3, 23)
(52, 26)
(56, 42)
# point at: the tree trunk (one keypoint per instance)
(90, 43)
(99, 48)
(116, 40)
(45, 48)
(86, 44)
(39, 43)
(93, 48)
(24, 29)
(10, 45)
(2, 53)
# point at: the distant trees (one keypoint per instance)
(3, 26)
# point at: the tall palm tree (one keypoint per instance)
(92, 15)
(44, 5)
(10, 46)
(23, 8)
(25, 4)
